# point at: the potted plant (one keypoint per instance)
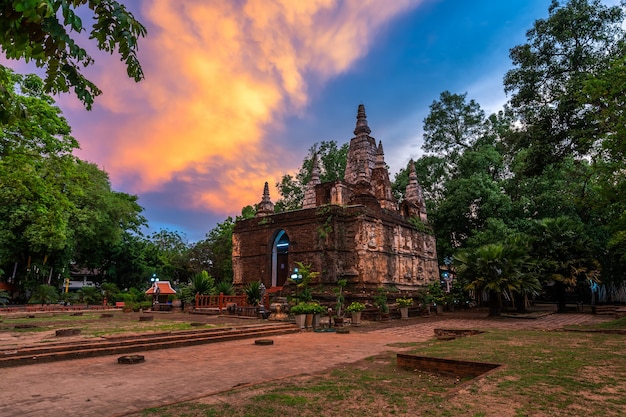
(316, 310)
(437, 296)
(299, 312)
(404, 304)
(380, 300)
(340, 300)
(355, 309)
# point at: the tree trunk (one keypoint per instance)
(520, 303)
(495, 304)
(560, 296)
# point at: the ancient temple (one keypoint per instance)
(352, 229)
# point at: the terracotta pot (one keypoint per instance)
(356, 318)
(308, 321)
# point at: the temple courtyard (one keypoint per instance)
(100, 386)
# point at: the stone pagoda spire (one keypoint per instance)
(362, 149)
(414, 193)
(265, 207)
(310, 200)
(381, 185)
(380, 156)
(361, 122)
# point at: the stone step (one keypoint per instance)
(77, 350)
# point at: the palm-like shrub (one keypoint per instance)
(501, 270)
(90, 295)
(253, 292)
(4, 297)
(224, 287)
(110, 290)
(44, 294)
(202, 283)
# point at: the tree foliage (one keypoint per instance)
(47, 33)
(54, 208)
(576, 41)
(548, 167)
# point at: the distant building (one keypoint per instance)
(352, 229)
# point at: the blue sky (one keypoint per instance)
(237, 92)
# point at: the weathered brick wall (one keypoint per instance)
(368, 247)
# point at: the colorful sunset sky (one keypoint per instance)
(237, 91)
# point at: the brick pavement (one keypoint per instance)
(102, 387)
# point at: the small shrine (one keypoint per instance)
(351, 229)
(160, 291)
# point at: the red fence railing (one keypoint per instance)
(222, 302)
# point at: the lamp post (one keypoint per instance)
(296, 277)
(155, 289)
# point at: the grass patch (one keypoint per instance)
(546, 373)
(92, 325)
(619, 324)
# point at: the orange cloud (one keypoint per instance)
(218, 75)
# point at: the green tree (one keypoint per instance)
(577, 40)
(110, 290)
(41, 31)
(166, 253)
(201, 284)
(54, 208)
(214, 254)
(453, 125)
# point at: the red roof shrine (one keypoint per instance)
(165, 288)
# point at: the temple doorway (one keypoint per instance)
(280, 259)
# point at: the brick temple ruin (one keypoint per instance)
(352, 229)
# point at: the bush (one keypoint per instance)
(355, 306)
(307, 308)
(253, 292)
(404, 302)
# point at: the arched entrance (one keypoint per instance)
(280, 259)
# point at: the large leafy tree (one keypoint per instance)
(577, 40)
(54, 208)
(48, 32)
(165, 254)
(463, 175)
(453, 125)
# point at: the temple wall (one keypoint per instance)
(368, 249)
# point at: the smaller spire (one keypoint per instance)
(414, 191)
(380, 156)
(310, 196)
(361, 122)
(265, 207)
(315, 170)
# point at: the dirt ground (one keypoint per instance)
(102, 387)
